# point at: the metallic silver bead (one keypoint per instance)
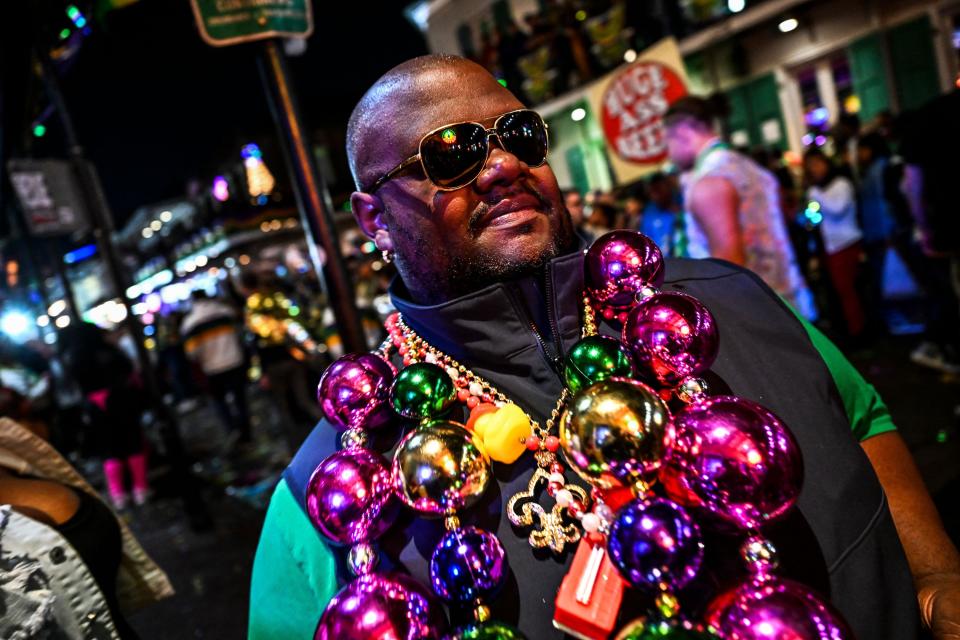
(759, 554)
(692, 389)
(362, 558)
(353, 438)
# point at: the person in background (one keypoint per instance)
(69, 567)
(929, 149)
(846, 136)
(733, 202)
(603, 214)
(574, 202)
(116, 401)
(660, 215)
(842, 237)
(876, 221)
(212, 337)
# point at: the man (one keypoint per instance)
(492, 274)
(733, 204)
(211, 337)
(659, 218)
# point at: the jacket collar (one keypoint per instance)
(487, 327)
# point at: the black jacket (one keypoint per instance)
(841, 540)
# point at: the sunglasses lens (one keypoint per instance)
(524, 135)
(455, 155)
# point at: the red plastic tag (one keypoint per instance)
(589, 597)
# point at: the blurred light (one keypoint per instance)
(264, 226)
(817, 117)
(368, 247)
(166, 216)
(72, 12)
(502, 82)
(736, 6)
(116, 312)
(50, 338)
(807, 139)
(788, 25)
(43, 321)
(155, 225)
(149, 330)
(15, 323)
(251, 151)
(150, 343)
(81, 22)
(133, 291)
(820, 140)
(578, 114)
(139, 308)
(39, 130)
(201, 261)
(62, 321)
(57, 308)
(851, 104)
(630, 55)
(581, 15)
(64, 34)
(147, 233)
(221, 189)
(244, 260)
(80, 253)
(229, 263)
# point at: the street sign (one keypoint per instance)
(226, 22)
(49, 195)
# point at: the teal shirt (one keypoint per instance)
(294, 574)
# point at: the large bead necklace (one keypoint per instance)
(651, 472)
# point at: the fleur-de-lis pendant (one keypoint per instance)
(549, 528)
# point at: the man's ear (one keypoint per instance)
(368, 210)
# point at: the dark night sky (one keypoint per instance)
(154, 105)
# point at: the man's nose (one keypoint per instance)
(502, 168)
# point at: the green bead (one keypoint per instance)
(422, 390)
(596, 358)
(487, 631)
(659, 629)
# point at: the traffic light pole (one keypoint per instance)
(312, 197)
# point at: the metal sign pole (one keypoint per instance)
(312, 198)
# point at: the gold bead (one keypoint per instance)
(481, 612)
(451, 522)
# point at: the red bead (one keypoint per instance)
(460, 382)
(552, 489)
(552, 443)
(608, 314)
(404, 349)
(472, 401)
(665, 394)
(487, 397)
(575, 508)
(533, 443)
(397, 340)
(622, 317)
(463, 395)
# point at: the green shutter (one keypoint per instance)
(914, 62)
(869, 79)
(739, 119)
(765, 111)
(578, 169)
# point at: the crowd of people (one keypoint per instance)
(821, 230)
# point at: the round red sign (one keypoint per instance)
(633, 108)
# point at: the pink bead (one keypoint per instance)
(552, 443)
(533, 443)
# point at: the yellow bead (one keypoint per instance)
(503, 432)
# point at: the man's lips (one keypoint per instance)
(500, 212)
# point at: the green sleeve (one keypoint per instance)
(865, 409)
(294, 574)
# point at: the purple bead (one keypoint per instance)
(350, 496)
(467, 564)
(734, 458)
(672, 336)
(354, 392)
(618, 265)
(775, 609)
(655, 543)
(382, 606)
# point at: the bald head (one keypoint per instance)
(410, 100)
